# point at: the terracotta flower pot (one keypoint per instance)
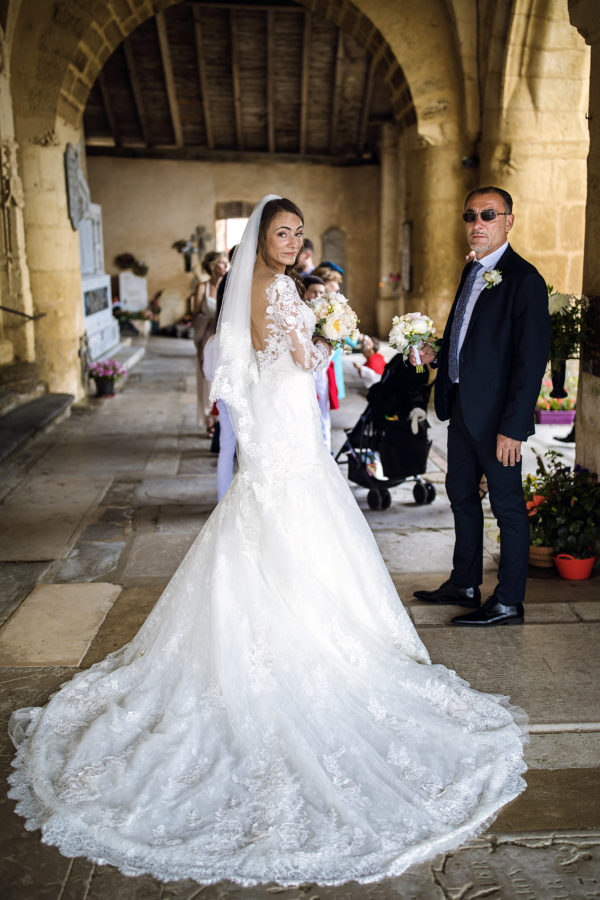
(574, 569)
(541, 556)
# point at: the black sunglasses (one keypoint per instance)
(487, 215)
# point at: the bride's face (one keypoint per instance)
(283, 241)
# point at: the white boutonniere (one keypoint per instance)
(492, 278)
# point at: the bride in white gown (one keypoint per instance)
(277, 717)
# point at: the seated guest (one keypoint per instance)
(399, 391)
(372, 370)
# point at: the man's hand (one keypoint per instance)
(508, 450)
(427, 354)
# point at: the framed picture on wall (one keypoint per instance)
(405, 265)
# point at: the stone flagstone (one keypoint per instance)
(40, 520)
(552, 671)
(55, 624)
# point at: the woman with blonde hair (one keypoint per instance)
(204, 312)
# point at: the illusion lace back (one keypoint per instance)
(277, 717)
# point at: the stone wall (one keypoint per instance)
(584, 16)
(149, 204)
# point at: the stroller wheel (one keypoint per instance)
(386, 499)
(420, 493)
(375, 500)
(430, 488)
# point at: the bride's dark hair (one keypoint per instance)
(271, 209)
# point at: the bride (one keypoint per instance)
(277, 717)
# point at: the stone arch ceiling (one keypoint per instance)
(61, 48)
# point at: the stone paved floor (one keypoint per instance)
(111, 499)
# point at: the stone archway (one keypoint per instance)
(58, 52)
(75, 40)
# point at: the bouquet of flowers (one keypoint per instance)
(412, 330)
(336, 320)
(107, 368)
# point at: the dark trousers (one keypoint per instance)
(467, 461)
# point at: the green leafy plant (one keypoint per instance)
(567, 323)
(563, 506)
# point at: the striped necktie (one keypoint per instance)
(459, 314)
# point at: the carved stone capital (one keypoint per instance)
(11, 188)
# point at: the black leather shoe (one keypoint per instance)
(493, 613)
(450, 595)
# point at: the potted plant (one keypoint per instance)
(550, 410)
(105, 373)
(567, 317)
(541, 551)
(569, 514)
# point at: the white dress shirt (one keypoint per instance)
(486, 263)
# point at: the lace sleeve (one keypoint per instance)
(291, 320)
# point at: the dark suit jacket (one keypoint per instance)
(503, 356)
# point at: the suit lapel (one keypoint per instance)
(504, 265)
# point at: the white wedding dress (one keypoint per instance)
(277, 717)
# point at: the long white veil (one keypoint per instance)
(236, 370)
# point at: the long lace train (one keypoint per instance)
(277, 717)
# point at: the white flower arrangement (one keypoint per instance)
(336, 320)
(412, 330)
(492, 278)
(557, 302)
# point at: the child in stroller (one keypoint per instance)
(393, 429)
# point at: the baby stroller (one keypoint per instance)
(389, 443)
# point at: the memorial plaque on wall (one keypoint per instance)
(133, 292)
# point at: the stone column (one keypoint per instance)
(387, 304)
(436, 185)
(16, 332)
(54, 260)
(584, 16)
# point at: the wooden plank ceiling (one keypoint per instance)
(225, 80)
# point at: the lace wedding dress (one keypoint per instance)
(277, 717)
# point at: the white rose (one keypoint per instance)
(420, 326)
(331, 329)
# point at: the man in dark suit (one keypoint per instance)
(490, 366)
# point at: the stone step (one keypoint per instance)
(19, 384)
(22, 423)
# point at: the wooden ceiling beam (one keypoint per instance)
(210, 141)
(336, 97)
(245, 156)
(235, 79)
(304, 108)
(165, 55)
(271, 80)
(366, 101)
(136, 89)
(251, 7)
(108, 109)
